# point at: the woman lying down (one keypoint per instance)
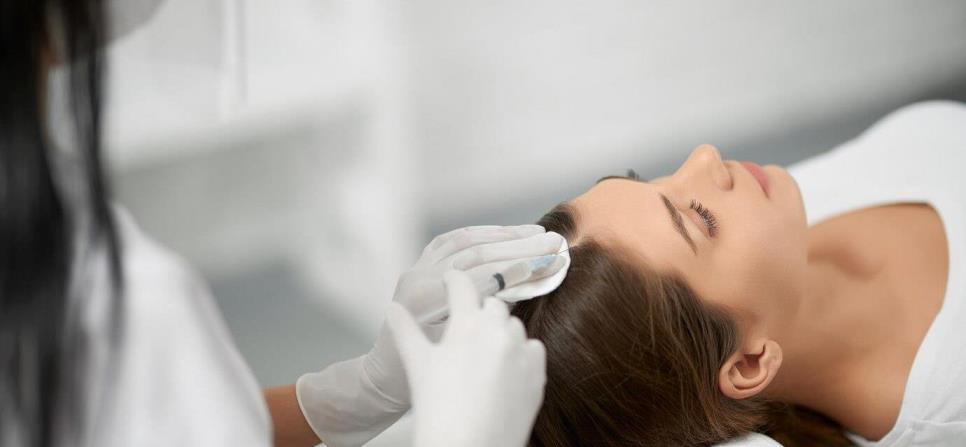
(823, 305)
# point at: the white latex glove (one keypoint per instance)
(479, 251)
(482, 384)
(350, 402)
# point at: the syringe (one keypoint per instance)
(513, 275)
(518, 273)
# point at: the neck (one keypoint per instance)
(841, 325)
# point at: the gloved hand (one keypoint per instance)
(480, 251)
(350, 402)
(482, 384)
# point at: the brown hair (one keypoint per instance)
(633, 356)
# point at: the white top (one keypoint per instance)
(178, 379)
(916, 154)
(751, 440)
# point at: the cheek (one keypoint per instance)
(757, 269)
(768, 238)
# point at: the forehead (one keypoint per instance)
(609, 196)
(629, 216)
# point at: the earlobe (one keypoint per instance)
(747, 373)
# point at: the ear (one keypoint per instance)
(750, 370)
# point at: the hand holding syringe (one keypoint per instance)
(516, 274)
(519, 273)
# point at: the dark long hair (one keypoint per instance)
(633, 356)
(42, 349)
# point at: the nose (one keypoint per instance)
(705, 164)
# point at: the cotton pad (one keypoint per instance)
(540, 286)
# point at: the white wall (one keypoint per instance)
(535, 93)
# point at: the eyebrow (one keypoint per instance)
(679, 223)
(631, 175)
(621, 177)
(673, 212)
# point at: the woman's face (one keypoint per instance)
(737, 241)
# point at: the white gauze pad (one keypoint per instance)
(541, 286)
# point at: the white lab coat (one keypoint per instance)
(178, 378)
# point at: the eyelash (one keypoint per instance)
(709, 220)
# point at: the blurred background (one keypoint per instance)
(300, 153)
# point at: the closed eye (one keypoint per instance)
(710, 221)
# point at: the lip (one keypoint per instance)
(759, 174)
